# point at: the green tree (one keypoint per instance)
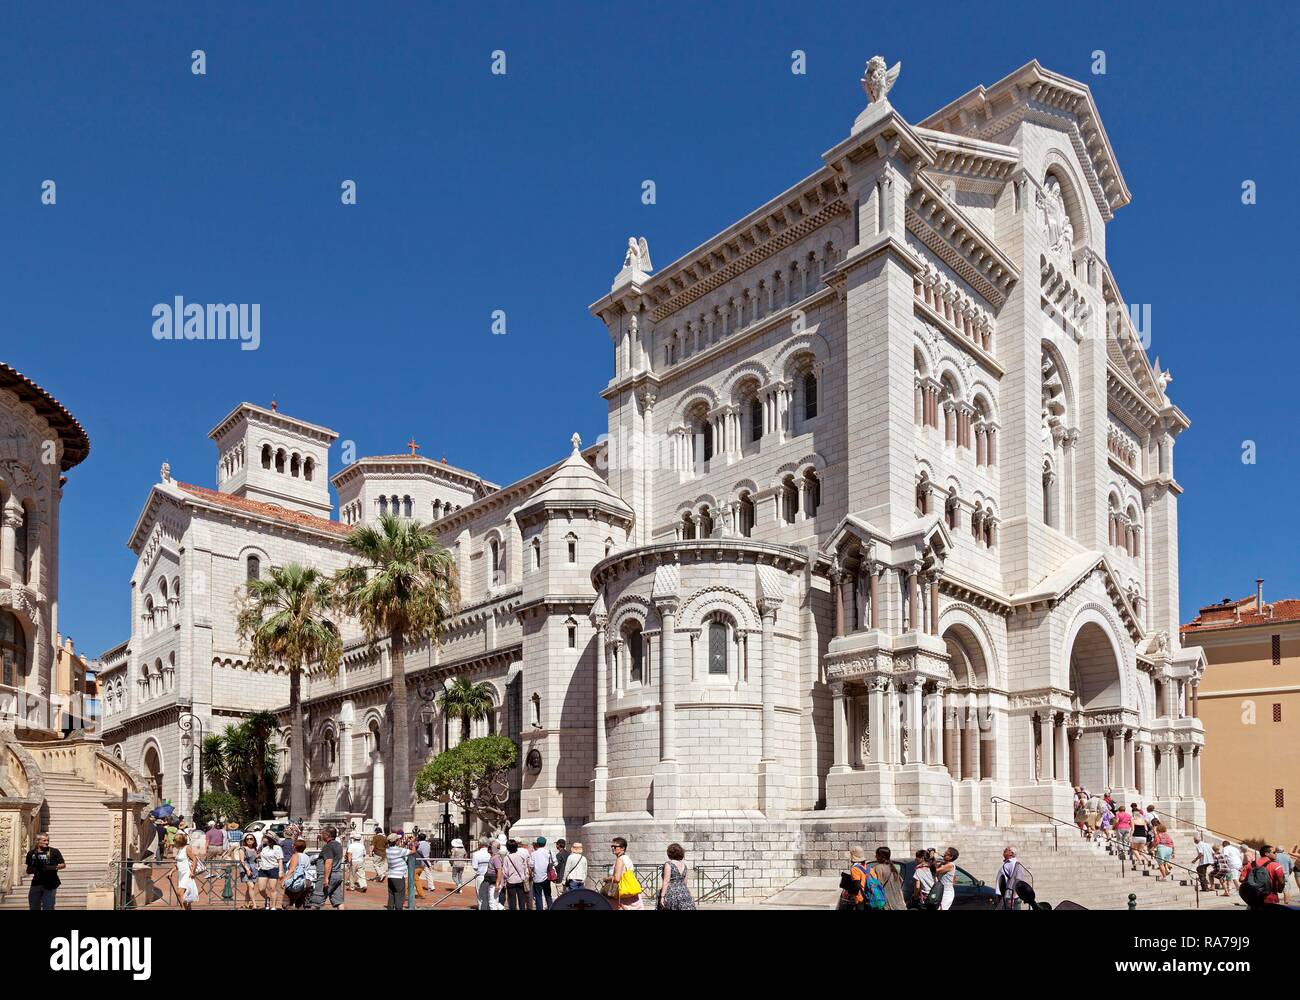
(404, 587)
(218, 806)
(283, 618)
(474, 775)
(239, 761)
(467, 701)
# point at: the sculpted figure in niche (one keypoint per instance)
(1054, 219)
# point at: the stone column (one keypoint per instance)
(837, 581)
(10, 519)
(377, 785)
(1196, 700)
(876, 720)
(667, 678)
(602, 694)
(1196, 772)
(1130, 759)
(839, 728)
(913, 599)
(873, 585)
(770, 782)
(948, 759)
(616, 667)
(915, 735)
(1075, 737)
(1048, 729)
(1062, 747)
(934, 605)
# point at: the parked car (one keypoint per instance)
(970, 893)
(260, 826)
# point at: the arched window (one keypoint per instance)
(745, 515)
(279, 460)
(688, 527)
(755, 419)
(923, 496)
(705, 521)
(719, 636)
(308, 469)
(537, 553)
(254, 568)
(810, 395)
(148, 616)
(789, 500)
(266, 456)
(571, 543)
(406, 506)
(812, 492)
(295, 465)
(706, 432)
(494, 561)
(635, 656)
(1049, 499)
(13, 650)
(383, 506)
(952, 512)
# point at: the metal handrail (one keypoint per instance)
(1056, 840)
(1214, 834)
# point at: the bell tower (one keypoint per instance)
(270, 457)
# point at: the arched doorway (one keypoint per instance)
(1100, 752)
(969, 748)
(153, 771)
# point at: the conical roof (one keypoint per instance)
(573, 484)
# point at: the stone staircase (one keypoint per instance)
(1067, 867)
(79, 825)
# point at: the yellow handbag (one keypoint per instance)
(628, 884)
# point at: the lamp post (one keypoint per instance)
(187, 723)
(428, 694)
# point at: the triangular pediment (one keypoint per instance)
(1072, 574)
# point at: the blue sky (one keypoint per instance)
(479, 192)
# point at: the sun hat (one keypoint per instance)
(457, 843)
(392, 838)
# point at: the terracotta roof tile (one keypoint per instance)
(270, 510)
(1239, 614)
(76, 444)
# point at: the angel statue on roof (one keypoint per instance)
(638, 254)
(877, 80)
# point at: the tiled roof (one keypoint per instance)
(292, 517)
(76, 443)
(1238, 614)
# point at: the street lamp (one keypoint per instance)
(428, 694)
(187, 723)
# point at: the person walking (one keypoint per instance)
(1204, 860)
(1011, 875)
(270, 867)
(44, 864)
(395, 856)
(887, 874)
(1281, 856)
(1233, 859)
(356, 864)
(459, 860)
(186, 868)
(423, 866)
(1124, 829)
(216, 839)
(248, 869)
(481, 861)
(922, 879)
(946, 873)
(514, 876)
(1263, 881)
(574, 875)
(1139, 852)
(297, 880)
(1164, 844)
(623, 865)
(542, 863)
(674, 893)
(330, 880)
(561, 859)
(853, 883)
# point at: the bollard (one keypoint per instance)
(1132, 901)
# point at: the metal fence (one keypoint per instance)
(713, 883)
(139, 885)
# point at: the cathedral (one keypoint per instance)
(882, 535)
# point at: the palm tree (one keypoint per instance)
(283, 617)
(404, 587)
(467, 701)
(241, 757)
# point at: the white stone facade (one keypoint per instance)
(885, 526)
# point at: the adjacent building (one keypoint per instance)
(1249, 703)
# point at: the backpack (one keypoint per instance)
(297, 882)
(1258, 884)
(875, 891)
(934, 898)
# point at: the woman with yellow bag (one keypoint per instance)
(624, 888)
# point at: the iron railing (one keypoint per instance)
(139, 885)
